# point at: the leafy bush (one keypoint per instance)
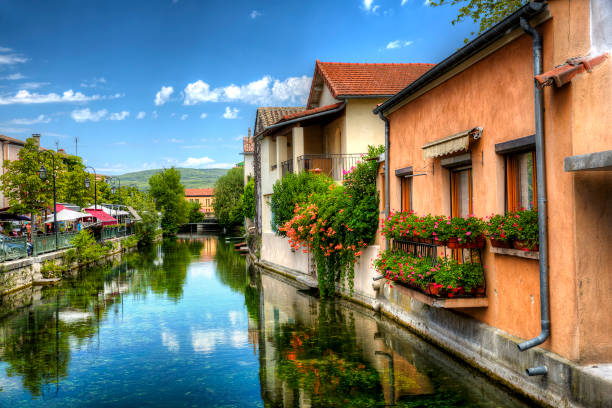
(50, 269)
(248, 199)
(86, 248)
(130, 242)
(228, 198)
(291, 190)
(334, 222)
(522, 225)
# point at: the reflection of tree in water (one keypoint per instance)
(231, 268)
(326, 362)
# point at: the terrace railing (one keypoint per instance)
(287, 167)
(46, 243)
(13, 248)
(334, 165)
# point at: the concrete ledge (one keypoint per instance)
(515, 252)
(446, 303)
(599, 161)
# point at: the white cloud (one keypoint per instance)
(398, 44)
(25, 97)
(39, 119)
(375, 9)
(404, 2)
(175, 140)
(14, 77)
(13, 130)
(163, 95)
(93, 83)
(84, 115)
(367, 4)
(254, 14)
(154, 114)
(199, 91)
(170, 340)
(11, 59)
(205, 341)
(264, 91)
(34, 85)
(184, 116)
(4, 49)
(119, 115)
(197, 162)
(231, 113)
(203, 115)
(427, 2)
(141, 115)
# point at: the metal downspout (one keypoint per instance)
(542, 201)
(387, 198)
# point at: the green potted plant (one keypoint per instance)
(526, 230)
(466, 233)
(495, 229)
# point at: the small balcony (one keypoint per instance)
(334, 165)
(287, 167)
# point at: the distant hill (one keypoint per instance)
(190, 178)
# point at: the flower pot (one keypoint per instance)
(433, 289)
(498, 243)
(523, 246)
(478, 292)
(479, 242)
(452, 243)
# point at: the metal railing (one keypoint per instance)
(116, 232)
(334, 165)
(13, 248)
(46, 243)
(287, 167)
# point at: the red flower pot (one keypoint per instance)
(433, 289)
(478, 292)
(498, 243)
(523, 246)
(452, 243)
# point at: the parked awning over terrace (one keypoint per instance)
(101, 216)
(459, 142)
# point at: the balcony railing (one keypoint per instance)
(334, 165)
(287, 167)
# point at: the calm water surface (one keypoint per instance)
(190, 324)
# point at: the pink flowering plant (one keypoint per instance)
(438, 228)
(496, 228)
(522, 225)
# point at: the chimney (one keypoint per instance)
(36, 137)
(249, 133)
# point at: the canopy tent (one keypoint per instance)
(68, 215)
(101, 216)
(110, 211)
(5, 215)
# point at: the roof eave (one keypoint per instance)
(472, 48)
(279, 125)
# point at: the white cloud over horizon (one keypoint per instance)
(25, 97)
(25, 121)
(163, 95)
(203, 115)
(141, 115)
(119, 115)
(84, 115)
(398, 44)
(14, 77)
(254, 14)
(264, 91)
(184, 116)
(11, 59)
(231, 113)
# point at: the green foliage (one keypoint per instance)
(438, 228)
(86, 248)
(169, 195)
(522, 225)
(228, 198)
(486, 13)
(248, 199)
(130, 242)
(50, 269)
(190, 178)
(291, 190)
(195, 215)
(335, 222)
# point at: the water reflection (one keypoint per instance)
(191, 321)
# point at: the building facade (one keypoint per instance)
(204, 196)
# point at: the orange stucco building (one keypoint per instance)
(204, 196)
(455, 130)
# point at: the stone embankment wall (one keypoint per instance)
(22, 273)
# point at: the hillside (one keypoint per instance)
(190, 178)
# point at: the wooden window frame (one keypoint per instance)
(454, 192)
(511, 189)
(406, 183)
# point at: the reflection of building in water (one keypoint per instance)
(209, 249)
(253, 334)
(310, 350)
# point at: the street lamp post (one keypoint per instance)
(42, 173)
(111, 181)
(87, 184)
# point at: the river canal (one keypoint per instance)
(189, 324)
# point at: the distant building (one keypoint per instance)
(204, 196)
(248, 149)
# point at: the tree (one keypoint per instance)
(169, 195)
(195, 215)
(248, 199)
(486, 13)
(228, 198)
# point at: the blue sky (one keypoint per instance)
(155, 83)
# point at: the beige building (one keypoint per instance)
(248, 150)
(204, 196)
(10, 151)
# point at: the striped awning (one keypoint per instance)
(459, 142)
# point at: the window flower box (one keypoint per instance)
(459, 243)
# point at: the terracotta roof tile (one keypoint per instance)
(199, 192)
(564, 74)
(247, 145)
(359, 79)
(310, 111)
(270, 115)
